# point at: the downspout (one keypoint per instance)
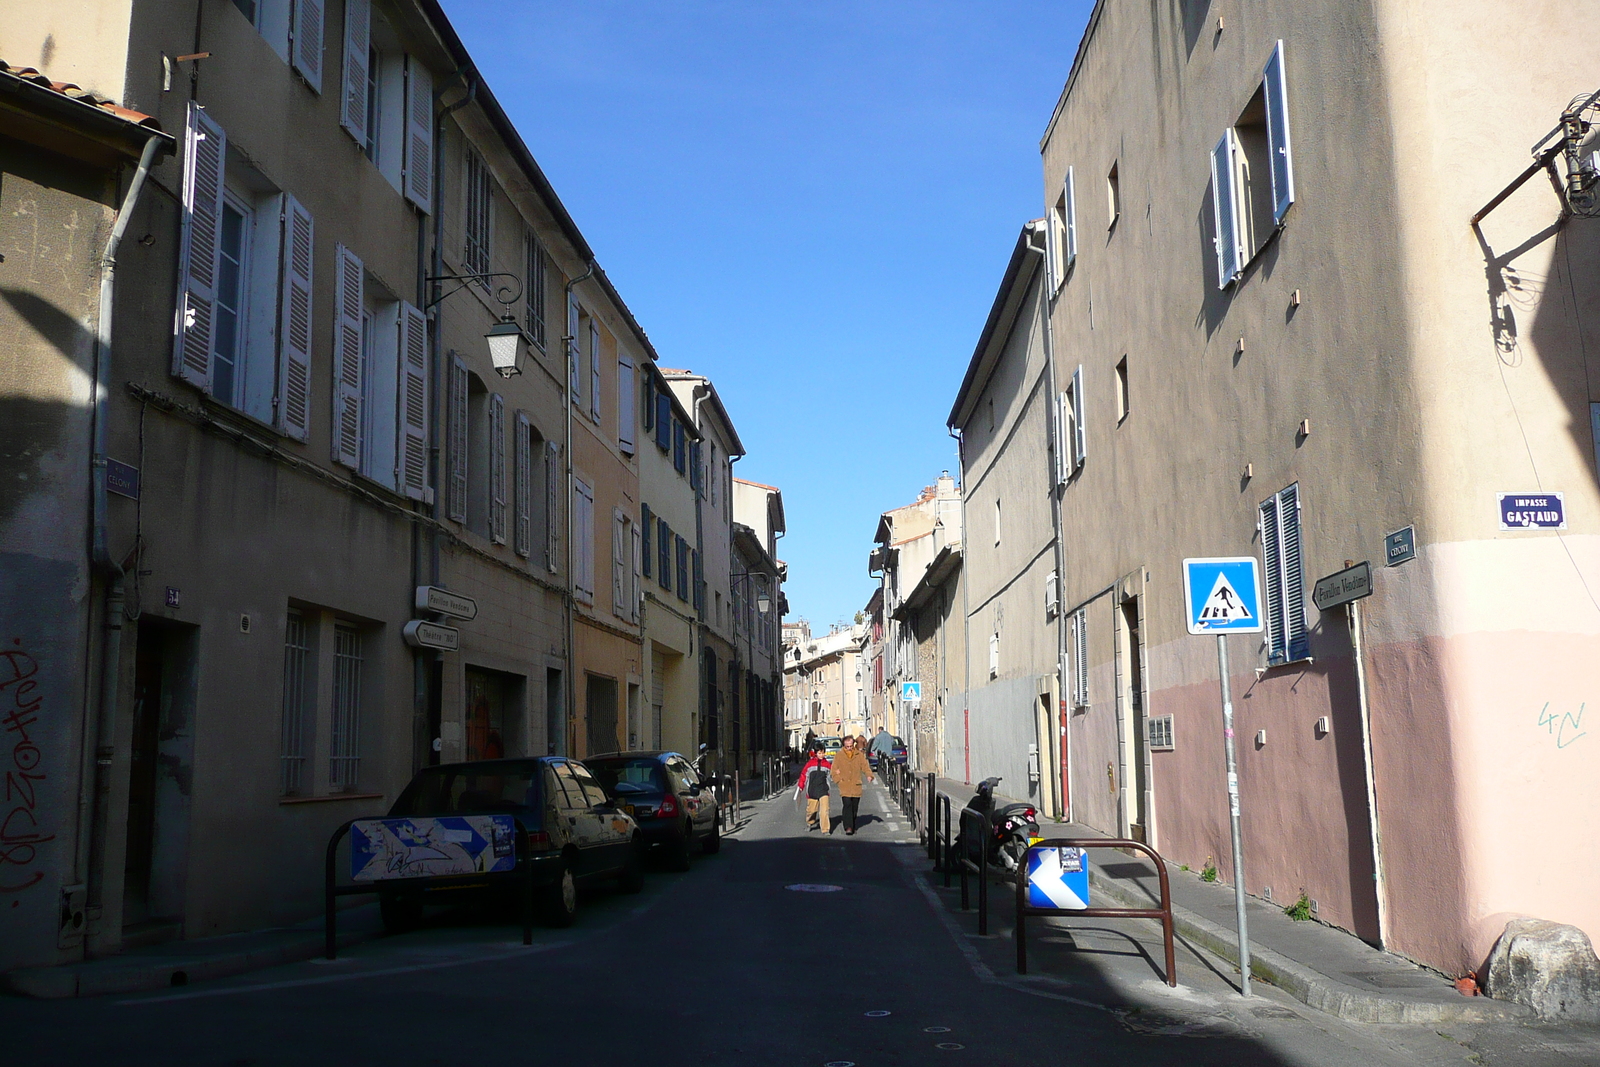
(738, 668)
(1063, 775)
(570, 343)
(966, 625)
(91, 847)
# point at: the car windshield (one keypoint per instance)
(471, 789)
(643, 771)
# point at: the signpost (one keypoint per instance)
(1223, 596)
(444, 602)
(911, 694)
(419, 633)
(1343, 587)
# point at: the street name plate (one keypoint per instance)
(443, 601)
(122, 479)
(419, 633)
(1400, 546)
(1532, 511)
(1341, 587)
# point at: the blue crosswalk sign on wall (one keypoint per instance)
(1223, 596)
(1058, 878)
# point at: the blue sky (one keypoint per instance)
(810, 202)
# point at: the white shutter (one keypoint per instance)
(456, 426)
(583, 533)
(419, 135)
(626, 403)
(1060, 423)
(1053, 241)
(497, 469)
(294, 330)
(1225, 206)
(635, 585)
(306, 54)
(594, 371)
(574, 383)
(1080, 445)
(1297, 642)
(552, 506)
(619, 563)
(1272, 578)
(1052, 595)
(413, 402)
(357, 46)
(1080, 633)
(1072, 223)
(204, 150)
(994, 655)
(522, 532)
(1277, 94)
(348, 305)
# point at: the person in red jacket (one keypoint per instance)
(814, 787)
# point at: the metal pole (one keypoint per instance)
(1379, 884)
(1233, 812)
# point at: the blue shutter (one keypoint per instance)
(1277, 94)
(663, 421)
(646, 530)
(1297, 641)
(664, 554)
(1272, 575)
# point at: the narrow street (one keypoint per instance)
(740, 961)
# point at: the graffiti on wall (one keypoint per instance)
(20, 835)
(1565, 728)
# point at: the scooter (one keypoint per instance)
(1012, 828)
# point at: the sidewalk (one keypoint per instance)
(1320, 965)
(177, 963)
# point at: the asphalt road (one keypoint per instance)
(735, 963)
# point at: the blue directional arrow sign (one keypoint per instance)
(1223, 596)
(1058, 878)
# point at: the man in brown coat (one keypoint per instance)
(851, 771)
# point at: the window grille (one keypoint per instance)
(296, 676)
(344, 760)
(479, 188)
(1158, 733)
(533, 284)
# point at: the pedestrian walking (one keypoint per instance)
(812, 783)
(883, 748)
(852, 772)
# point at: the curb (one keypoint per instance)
(135, 975)
(1313, 988)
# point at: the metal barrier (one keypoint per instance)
(330, 890)
(933, 815)
(944, 843)
(1024, 909)
(981, 867)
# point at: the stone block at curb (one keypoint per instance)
(1313, 988)
(1548, 967)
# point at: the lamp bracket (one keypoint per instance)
(463, 280)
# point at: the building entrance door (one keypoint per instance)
(161, 764)
(600, 701)
(1135, 767)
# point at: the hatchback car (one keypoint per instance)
(575, 835)
(673, 805)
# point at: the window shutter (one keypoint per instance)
(574, 383)
(357, 43)
(648, 407)
(294, 331)
(683, 569)
(414, 402)
(348, 305)
(1272, 559)
(522, 459)
(619, 563)
(307, 45)
(698, 577)
(646, 524)
(497, 468)
(1080, 630)
(1080, 444)
(583, 531)
(204, 148)
(1224, 205)
(1297, 640)
(1277, 94)
(664, 554)
(1052, 595)
(1072, 222)
(456, 430)
(696, 477)
(419, 135)
(594, 371)
(634, 588)
(626, 383)
(1053, 240)
(994, 655)
(664, 421)
(1060, 423)
(552, 506)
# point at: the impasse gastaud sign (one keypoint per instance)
(1223, 595)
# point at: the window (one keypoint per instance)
(1283, 576)
(683, 569)
(552, 506)
(1079, 636)
(680, 447)
(298, 680)
(533, 288)
(664, 420)
(594, 371)
(386, 103)
(1061, 237)
(696, 473)
(1113, 198)
(1052, 595)
(622, 595)
(583, 537)
(1069, 430)
(496, 429)
(664, 554)
(478, 187)
(529, 474)
(574, 323)
(711, 475)
(1252, 174)
(232, 260)
(1158, 733)
(647, 531)
(1122, 388)
(273, 20)
(344, 743)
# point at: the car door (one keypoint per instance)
(613, 830)
(582, 822)
(701, 803)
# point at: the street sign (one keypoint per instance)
(1400, 546)
(1341, 587)
(431, 847)
(911, 694)
(419, 633)
(444, 602)
(1532, 511)
(1223, 595)
(122, 479)
(1058, 878)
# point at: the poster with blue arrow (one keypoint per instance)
(1223, 595)
(431, 847)
(1058, 878)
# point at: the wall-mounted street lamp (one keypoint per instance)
(763, 603)
(504, 337)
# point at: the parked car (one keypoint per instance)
(575, 835)
(830, 746)
(900, 751)
(673, 805)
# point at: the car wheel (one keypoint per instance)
(712, 842)
(678, 854)
(561, 898)
(631, 880)
(400, 911)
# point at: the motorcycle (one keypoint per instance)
(1012, 828)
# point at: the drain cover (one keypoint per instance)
(876, 1014)
(805, 887)
(936, 1029)
(948, 1045)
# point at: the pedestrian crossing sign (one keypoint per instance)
(1223, 596)
(1058, 878)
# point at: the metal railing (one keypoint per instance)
(965, 863)
(1024, 909)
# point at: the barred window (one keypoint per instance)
(533, 285)
(297, 676)
(480, 195)
(344, 748)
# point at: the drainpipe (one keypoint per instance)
(92, 861)
(966, 625)
(570, 344)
